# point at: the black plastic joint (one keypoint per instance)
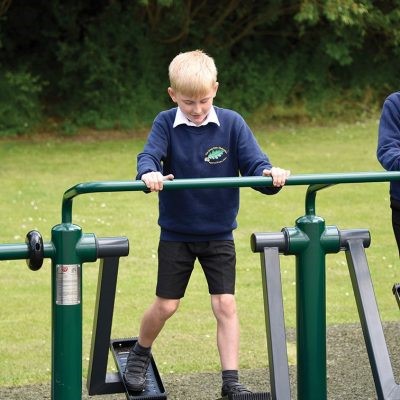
(112, 247)
(35, 250)
(258, 241)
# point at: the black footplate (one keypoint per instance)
(248, 396)
(154, 389)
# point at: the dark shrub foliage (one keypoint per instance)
(103, 64)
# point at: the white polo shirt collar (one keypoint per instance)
(180, 118)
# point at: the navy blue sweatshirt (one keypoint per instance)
(388, 151)
(208, 151)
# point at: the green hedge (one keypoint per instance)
(104, 64)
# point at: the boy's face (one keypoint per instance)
(195, 108)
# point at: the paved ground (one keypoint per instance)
(349, 373)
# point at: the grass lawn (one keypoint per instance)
(35, 173)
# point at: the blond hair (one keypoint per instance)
(192, 73)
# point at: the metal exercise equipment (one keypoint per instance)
(381, 367)
(99, 381)
(310, 240)
(69, 248)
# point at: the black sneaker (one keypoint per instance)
(231, 388)
(135, 371)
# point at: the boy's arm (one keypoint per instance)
(150, 160)
(155, 150)
(388, 151)
(254, 162)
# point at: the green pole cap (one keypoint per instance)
(330, 239)
(297, 240)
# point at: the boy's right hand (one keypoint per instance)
(155, 180)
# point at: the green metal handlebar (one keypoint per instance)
(316, 182)
(20, 251)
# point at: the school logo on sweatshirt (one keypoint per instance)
(216, 155)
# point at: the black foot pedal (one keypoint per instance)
(154, 389)
(396, 292)
(248, 396)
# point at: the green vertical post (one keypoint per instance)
(311, 312)
(66, 383)
(72, 249)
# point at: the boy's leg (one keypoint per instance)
(175, 264)
(218, 259)
(154, 319)
(139, 357)
(224, 308)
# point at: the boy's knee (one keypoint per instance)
(224, 305)
(166, 307)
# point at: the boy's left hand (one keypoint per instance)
(278, 175)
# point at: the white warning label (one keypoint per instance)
(68, 291)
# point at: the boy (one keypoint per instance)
(197, 140)
(388, 153)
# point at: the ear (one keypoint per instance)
(172, 94)
(216, 88)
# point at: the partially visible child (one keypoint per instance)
(388, 153)
(197, 140)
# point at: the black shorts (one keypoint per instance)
(176, 262)
(395, 205)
